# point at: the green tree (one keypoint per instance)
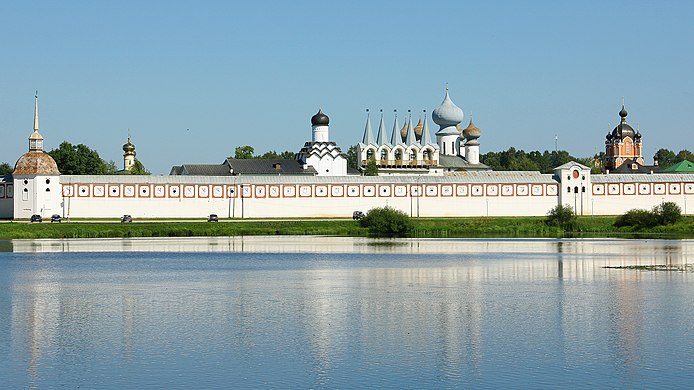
(668, 213)
(138, 169)
(387, 222)
(352, 158)
(684, 155)
(110, 168)
(5, 169)
(273, 155)
(371, 168)
(562, 216)
(665, 157)
(244, 152)
(78, 160)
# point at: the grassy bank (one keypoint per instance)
(423, 227)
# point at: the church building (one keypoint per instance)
(411, 150)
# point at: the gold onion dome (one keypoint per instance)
(403, 131)
(128, 147)
(418, 129)
(471, 131)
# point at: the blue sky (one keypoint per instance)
(193, 80)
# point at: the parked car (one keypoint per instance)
(126, 218)
(36, 218)
(213, 218)
(55, 218)
(357, 215)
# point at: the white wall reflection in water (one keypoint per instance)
(345, 313)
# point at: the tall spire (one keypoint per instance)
(36, 112)
(426, 137)
(381, 138)
(395, 137)
(410, 137)
(368, 138)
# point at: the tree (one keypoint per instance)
(78, 160)
(665, 157)
(110, 168)
(387, 222)
(352, 158)
(684, 155)
(138, 169)
(562, 216)
(5, 169)
(244, 152)
(371, 168)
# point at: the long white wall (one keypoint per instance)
(470, 194)
(258, 197)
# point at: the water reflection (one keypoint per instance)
(518, 313)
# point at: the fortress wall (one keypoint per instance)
(618, 198)
(263, 200)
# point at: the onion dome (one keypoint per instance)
(623, 113)
(36, 162)
(623, 130)
(471, 132)
(128, 147)
(418, 129)
(403, 131)
(320, 119)
(447, 113)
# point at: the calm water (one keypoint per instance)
(295, 312)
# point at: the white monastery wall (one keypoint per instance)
(615, 194)
(258, 197)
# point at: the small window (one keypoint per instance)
(48, 190)
(48, 181)
(26, 181)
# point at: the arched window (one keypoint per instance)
(413, 155)
(384, 154)
(398, 154)
(370, 154)
(428, 155)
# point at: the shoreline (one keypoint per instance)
(470, 227)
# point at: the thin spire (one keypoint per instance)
(368, 138)
(395, 137)
(381, 138)
(36, 112)
(426, 137)
(410, 137)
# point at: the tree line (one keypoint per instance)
(81, 160)
(667, 158)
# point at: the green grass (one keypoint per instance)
(423, 228)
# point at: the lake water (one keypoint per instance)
(314, 312)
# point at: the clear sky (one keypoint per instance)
(195, 79)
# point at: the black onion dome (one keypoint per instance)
(320, 119)
(623, 112)
(622, 131)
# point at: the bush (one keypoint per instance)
(669, 213)
(387, 222)
(637, 218)
(666, 213)
(563, 217)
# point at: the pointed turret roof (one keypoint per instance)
(395, 137)
(368, 138)
(426, 136)
(410, 138)
(381, 137)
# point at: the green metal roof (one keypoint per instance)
(682, 166)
